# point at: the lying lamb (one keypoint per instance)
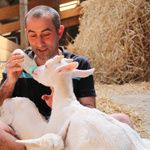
(87, 129)
(28, 123)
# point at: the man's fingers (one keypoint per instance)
(48, 100)
(45, 97)
(14, 59)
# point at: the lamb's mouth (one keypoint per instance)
(34, 73)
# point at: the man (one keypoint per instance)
(43, 30)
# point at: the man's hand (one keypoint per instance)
(49, 98)
(7, 128)
(14, 70)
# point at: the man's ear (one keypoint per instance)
(60, 31)
(25, 30)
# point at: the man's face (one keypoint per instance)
(42, 36)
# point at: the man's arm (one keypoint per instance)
(6, 91)
(88, 101)
(13, 73)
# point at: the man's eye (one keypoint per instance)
(46, 34)
(33, 35)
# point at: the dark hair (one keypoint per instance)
(38, 11)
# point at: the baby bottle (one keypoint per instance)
(28, 64)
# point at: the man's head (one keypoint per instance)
(44, 31)
(38, 11)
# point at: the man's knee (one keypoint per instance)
(122, 118)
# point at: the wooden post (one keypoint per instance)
(23, 12)
(57, 5)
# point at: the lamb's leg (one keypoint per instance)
(49, 141)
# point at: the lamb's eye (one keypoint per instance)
(45, 66)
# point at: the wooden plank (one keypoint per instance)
(70, 13)
(4, 55)
(13, 11)
(9, 12)
(70, 22)
(8, 45)
(6, 48)
(14, 26)
(9, 27)
(34, 3)
(64, 1)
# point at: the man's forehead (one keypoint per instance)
(41, 19)
(40, 24)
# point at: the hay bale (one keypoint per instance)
(114, 35)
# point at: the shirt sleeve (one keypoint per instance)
(85, 86)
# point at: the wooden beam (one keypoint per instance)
(70, 22)
(8, 45)
(14, 26)
(65, 1)
(70, 13)
(6, 48)
(9, 12)
(9, 27)
(34, 3)
(4, 55)
(13, 11)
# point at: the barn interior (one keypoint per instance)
(114, 36)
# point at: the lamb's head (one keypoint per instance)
(53, 68)
(47, 73)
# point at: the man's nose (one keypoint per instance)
(40, 41)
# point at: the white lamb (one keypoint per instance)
(88, 129)
(28, 123)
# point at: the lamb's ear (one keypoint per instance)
(66, 68)
(34, 142)
(82, 73)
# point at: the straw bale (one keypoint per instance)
(114, 35)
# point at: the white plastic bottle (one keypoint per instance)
(28, 64)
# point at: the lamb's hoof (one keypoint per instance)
(51, 141)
